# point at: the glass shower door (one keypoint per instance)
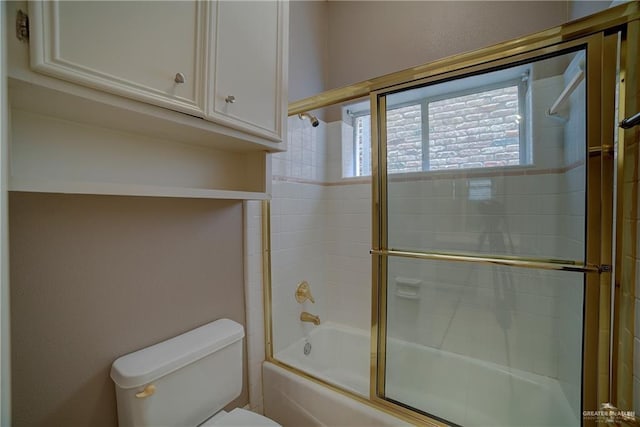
(487, 186)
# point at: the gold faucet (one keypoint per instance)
(308, 317)
(303, 293)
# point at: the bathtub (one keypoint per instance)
(294, 401)
(457, 388)
(339, 355)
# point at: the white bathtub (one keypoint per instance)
(294, 401)
(339, 355)
(460, 389)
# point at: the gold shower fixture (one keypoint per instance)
(303, 292)
(311, 318)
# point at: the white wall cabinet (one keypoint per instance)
(220, 60)
(125, 48)
(248, 90)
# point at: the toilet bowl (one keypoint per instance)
(185, 381)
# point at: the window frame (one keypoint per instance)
(525, 151)
(355, 155)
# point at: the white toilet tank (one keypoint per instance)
(181, 381)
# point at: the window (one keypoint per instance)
(479, 127)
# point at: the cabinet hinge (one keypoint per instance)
(22, 26)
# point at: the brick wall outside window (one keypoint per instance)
(471, 131)
(404, 139)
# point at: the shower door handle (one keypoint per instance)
(630, 122)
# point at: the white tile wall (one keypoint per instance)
(348, 241)
(526, 216)
(335, 151)
(298, 212)
(306, 156)
(321, 234)
(502, 315)
(546, 131)
(575, 127)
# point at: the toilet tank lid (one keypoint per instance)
(149, 364)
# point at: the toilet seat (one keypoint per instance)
(239, 418)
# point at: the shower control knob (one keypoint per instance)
(230, 99)
(303, 292)
(179, 78)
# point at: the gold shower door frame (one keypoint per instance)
(601, 64)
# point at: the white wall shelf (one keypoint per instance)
(54, 155)
(114, 189)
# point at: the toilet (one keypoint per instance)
(185, 381)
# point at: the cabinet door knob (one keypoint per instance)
(179, 78)
(230, 99)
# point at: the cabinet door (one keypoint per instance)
(249, 89)
(134, 48)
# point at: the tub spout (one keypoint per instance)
(307, 317)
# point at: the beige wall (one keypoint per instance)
(372, 38)
(336, 43)
(308, 49)
(96, 277)
(580, 9)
